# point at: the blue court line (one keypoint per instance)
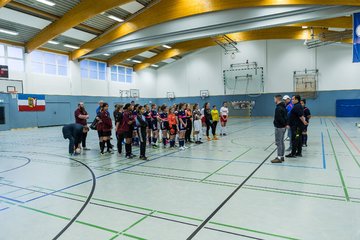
(4, 209)
(11, 199)
(321, 121)
(323, 150)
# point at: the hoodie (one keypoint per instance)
(281, 118)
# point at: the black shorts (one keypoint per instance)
(165, 126)
(154, 125)
(128, 134)
(104, 133)
(173, 130)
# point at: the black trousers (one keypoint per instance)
(208, 126)
(215, 123)
(141, 131)
(120, 139)
(188, 130)
(83, 140)
(296, 140)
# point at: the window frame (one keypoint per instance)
(43, 63)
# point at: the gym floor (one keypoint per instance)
(317, 196)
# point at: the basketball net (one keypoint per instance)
(13, 94)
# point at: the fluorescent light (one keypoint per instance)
(304, 27)
(53, 42)
(71, 46)
(129, 59)
(166, 46)
(106, 54)
(115, 18)
(337, 29)
(154, 65)
(47, 2)
(136, 61)
(8, 32)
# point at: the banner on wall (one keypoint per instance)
(4, 71)
(356, 42)
(31, 102)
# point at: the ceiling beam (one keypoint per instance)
(170, 10)
(294, 33)
(339, 22)
(120, 57)
(49, 16)
(4, 2)
(81, 12)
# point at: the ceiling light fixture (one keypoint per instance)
(2, 30)
(136, 61)
(106, 54)
(166, 46)
(115, 18)
(71, 46)
(129, 59)
(53, 42)
(154, 65)
(47, 2)
(304, 27)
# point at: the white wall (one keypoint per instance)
(280, 58)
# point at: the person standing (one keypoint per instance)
(289, 105)
(104, 128)
(189, 123)
(215, 118)
(224, 114)
(307, 116)
(126, 129)
(197, 123)
(297, 121)
(280, 124)
(98, 109)
(81, 117)
(142, 126)
(74, 132)
(118, 116)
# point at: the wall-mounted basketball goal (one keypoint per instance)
(244, 79)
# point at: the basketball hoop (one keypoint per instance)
(170, 95)
(204, 94)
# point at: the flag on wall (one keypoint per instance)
(356, 42)
(31, 102)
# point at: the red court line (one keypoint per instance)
(352, 143)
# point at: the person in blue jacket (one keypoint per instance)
(74, 132)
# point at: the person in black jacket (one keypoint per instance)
(141, 131)
(297, 122)
(280, 124)
(74, 133)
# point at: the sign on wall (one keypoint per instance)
(356, 42)
(4, 71)
(31, 102)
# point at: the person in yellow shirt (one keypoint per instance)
(215, 117)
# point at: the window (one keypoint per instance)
(93, 70)
(49, 63)
(12, 57)
(121, 74)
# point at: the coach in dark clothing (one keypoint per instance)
(297, 122)
(74, 133)
(280, 124)
(81, 117)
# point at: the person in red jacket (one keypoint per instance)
(104, 127)
(125, 130)
(81, 117)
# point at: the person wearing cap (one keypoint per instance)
(288, 105)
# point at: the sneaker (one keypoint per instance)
(102, 153)
(181, 148)
(185, 147)
(282, 159)
(298, 155)
(132, 155)
(208, 138)
(86, 149)
(276, 160)
(215, 138)
(221, 134)
(289, 149)
(200, 142)
(143, 158)
(290, 156)
(110, 151)
(155, 146)
(129, 157)
(224, 134)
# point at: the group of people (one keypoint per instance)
(291, 114)
(140, 125)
